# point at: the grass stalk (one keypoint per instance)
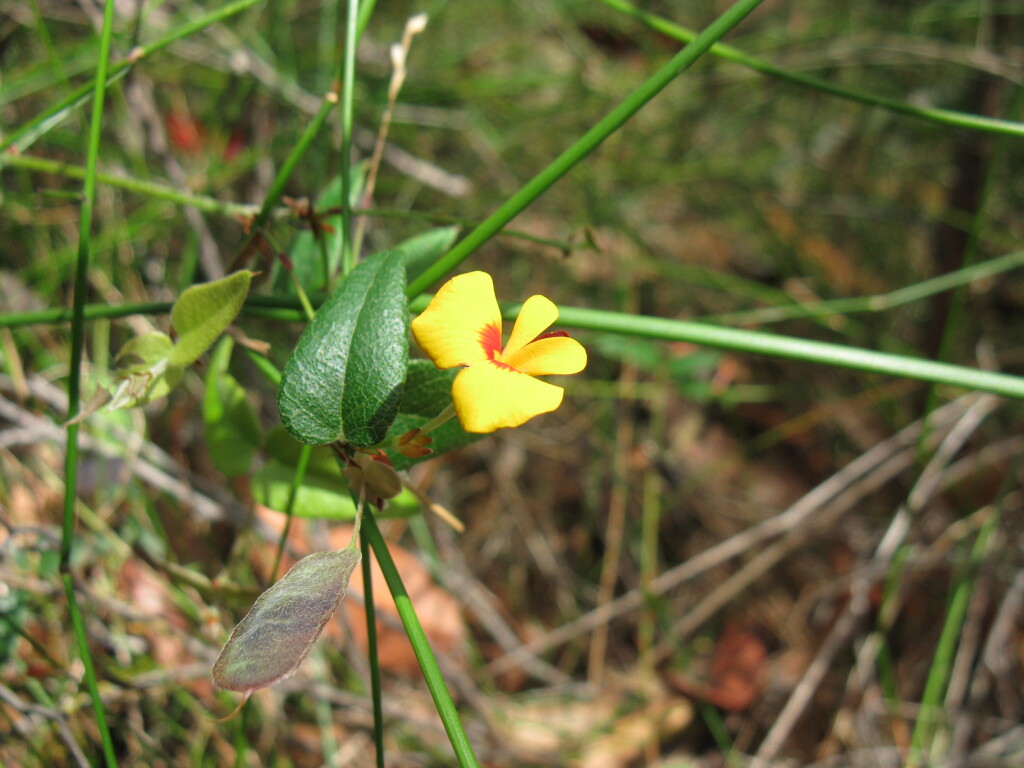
(371, 650)
(879, 302)
(421, 647)
(583, 146)
(348, 76)
(942, 662)
(138, 186)
(285, 173)
(75, 383)
(729, 53)
(657, 328)
(305, 453)
(773, 345)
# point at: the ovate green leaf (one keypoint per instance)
(269, 644)
(345, 379)
(203, 312)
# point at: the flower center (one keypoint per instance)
(490, 340)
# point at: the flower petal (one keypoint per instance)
(462, 323)
(546, 356)
(490, 396)
(536, 316)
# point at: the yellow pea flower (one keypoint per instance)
(496, 388)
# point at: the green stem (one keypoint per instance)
(727, 52)
(289, 510)
(148, 188)
(42, 122)
(75, 380)
(583, 146)
(772, 345)
(661, 329)
(942, 663)
(880, 302)
(421, 647)
(348, 256)
(208, 204)
(284, 174)
(78, 625)
(371, 646)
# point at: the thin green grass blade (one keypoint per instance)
(954, 314)
(942, 662)
(421, 647)
(772, 345)
(288, 167)
(152, 189)
(729, 53)
(348, 76)
(371, 649)
(583, 146)
(287, 309)
(293, 493)
(879, 302)
(75, 383)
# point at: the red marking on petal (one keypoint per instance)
(490, 340)
(552, 335)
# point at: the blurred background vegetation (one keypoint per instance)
(685, 596)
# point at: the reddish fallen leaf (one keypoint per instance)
(736, 677)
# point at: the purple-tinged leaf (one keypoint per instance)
(269, 644)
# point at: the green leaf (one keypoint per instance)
(271, 642)
(232, 428)
(144, 370)
(320, 496)
(203, 312)
(324, 492)
(345, 379)
(425, 248)
(428, 391)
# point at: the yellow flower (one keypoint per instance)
(496, 388)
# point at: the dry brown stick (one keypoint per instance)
(615, 527)
(782, 523)
(857, 608)
(768, 558)
(157, 470)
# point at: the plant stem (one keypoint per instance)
(421, 647)
(75, 382)
(289, 510)
(286, 309)
(284, 174)
(772, 345)
(371, 649)
(348, 256)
